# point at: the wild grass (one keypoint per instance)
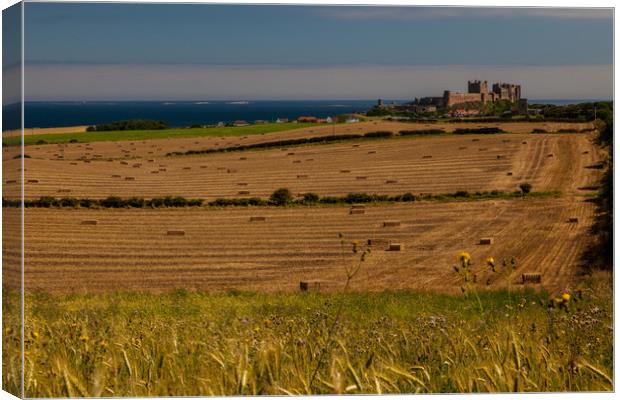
(197, 343)
(106, 136)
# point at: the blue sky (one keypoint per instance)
(176, 51)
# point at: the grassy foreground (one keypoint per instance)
(108, 136)
(193, 343)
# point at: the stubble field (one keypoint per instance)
(222, 249)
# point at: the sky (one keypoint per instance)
(197, 51)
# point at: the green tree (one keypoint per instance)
(281, 197)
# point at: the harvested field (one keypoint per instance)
(159, 147)
(337, 170)
(221, 249)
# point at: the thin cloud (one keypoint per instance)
(429, 13)
(187, 82)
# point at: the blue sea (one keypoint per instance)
(185, 113)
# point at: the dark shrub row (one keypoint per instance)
(129, 125)
(491, 130)
(284, 143)
(108, 202)
(422, 132)
(267, 145)
(280, 197)
(379, 134)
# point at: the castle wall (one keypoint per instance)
(452, 98)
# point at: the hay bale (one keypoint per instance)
(243, 192)
(395, 247)
(162, 169)
(176, 232)
(32, 181)
(310, 159)
(354, 211)
(221, 168)
(243, 158)
(63, 190)
(345, 171)
(257, 218)
(462, 148)
(302, 176)
(482, 149)
(155, 172)
(314, 285)
(509, 173)
(203, 166)
(388, 224)
(524, 142)
(390, 181)
(124, 163)
(290, 154)
(475, 140)
(11, 181)
(242, 184)
(586, 152)
(486, 241)
(87, 161)
(187, 168)
(73, 163)
(361, 178)
(116, 176)
(358, 206)
(89, 222)
(573, 220)
(130, 178)
(296, 161)
(427, 156)
(356, 145)
(500, 157)
(531, 277)
(550, 155)
(372, 152)
(137, 165)
(506, 141)
(231, 171)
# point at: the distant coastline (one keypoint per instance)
(177, 113)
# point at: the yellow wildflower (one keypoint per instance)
(464, 257)
(491, 263)
(84, 338)
(565, 297)
(35, 335)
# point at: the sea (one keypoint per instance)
(186, 113)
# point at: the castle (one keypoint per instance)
(478, 92)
